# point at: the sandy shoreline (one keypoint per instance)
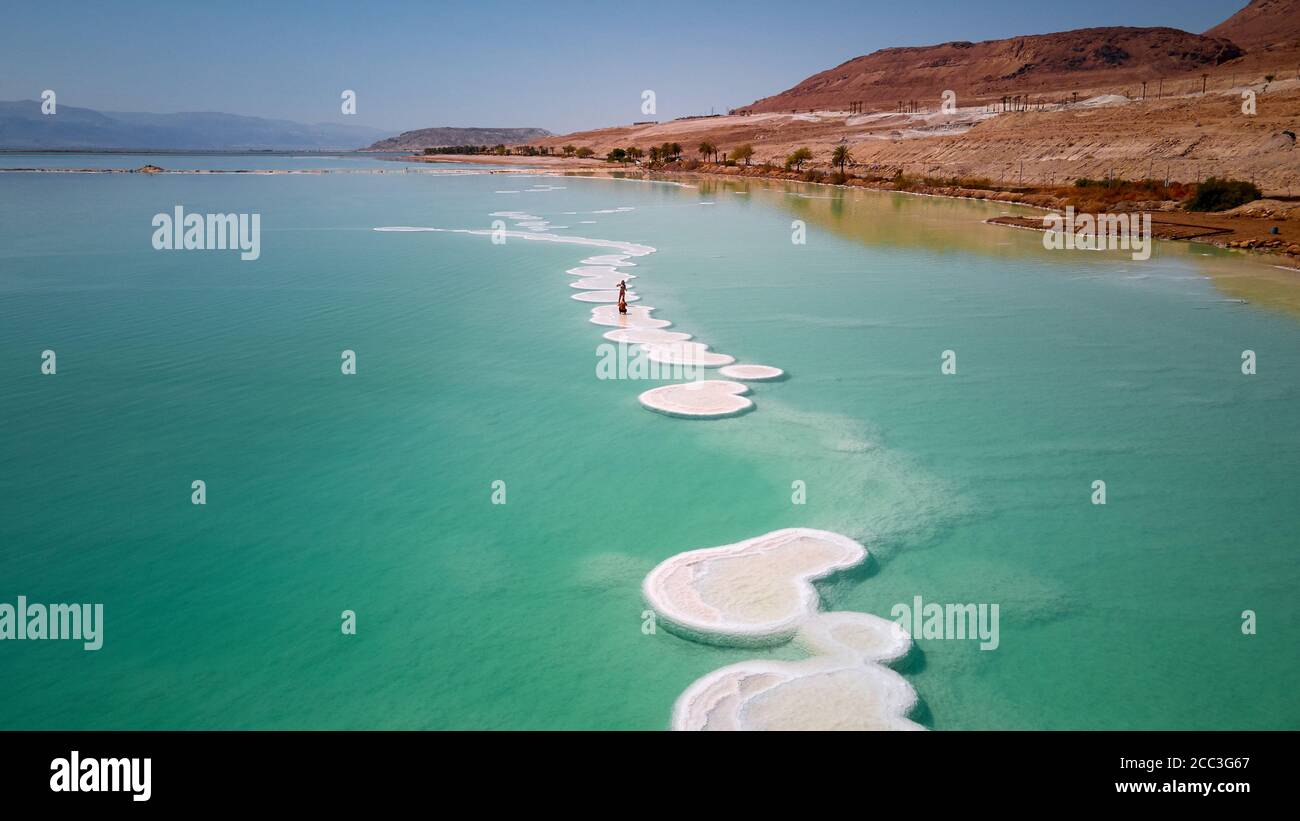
(518, 162)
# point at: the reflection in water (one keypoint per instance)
(887, 219)
(1252, 277)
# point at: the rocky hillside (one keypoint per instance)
(1263, 24)
(1036, 64)
(441, 137)
(1088, 116)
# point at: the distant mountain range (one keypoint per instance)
(442, 137)
(22, 125)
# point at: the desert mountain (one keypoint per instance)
(1263, 24)
(442, 137)
(980, 72)
(22, 125)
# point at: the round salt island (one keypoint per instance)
(596, 271)
(857, 637)
(644, 336)
(600, 282)
(705, 399)
(604, 296)
(695, 354)
(637, 318)
(752, 373)
(756, 592)
(818, 694)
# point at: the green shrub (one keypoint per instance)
(902, 182)
(1216, 194)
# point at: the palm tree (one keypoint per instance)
(706, 149)
(635, 153)
(656, 153)
(568, 150)
(674, 150)
(841, 157)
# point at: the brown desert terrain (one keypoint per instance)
(1068, 105)
(1030, 116)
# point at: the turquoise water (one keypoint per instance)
(259, 161)
(373, 492)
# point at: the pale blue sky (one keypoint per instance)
(552, 64)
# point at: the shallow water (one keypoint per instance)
(239, 161)
(373, 492)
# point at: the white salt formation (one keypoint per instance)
(756, 592)
(594, 271)
(601, 281)
(818, 694)
(687, 353)
(599, 276)
(760, 591)
(752, 373)
(609, 259)
(637, 317)
(630, 248)
(704, 399)
(641, 336)
(605, 296)
(858, 637)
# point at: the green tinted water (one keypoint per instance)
(373, 492)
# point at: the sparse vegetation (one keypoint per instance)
(742, 153)
(457, 149)
(797, 158)
(1220, 194)
(841, 157)
(521, 150)
(902, 182)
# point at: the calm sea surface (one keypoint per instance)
(372, 492)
